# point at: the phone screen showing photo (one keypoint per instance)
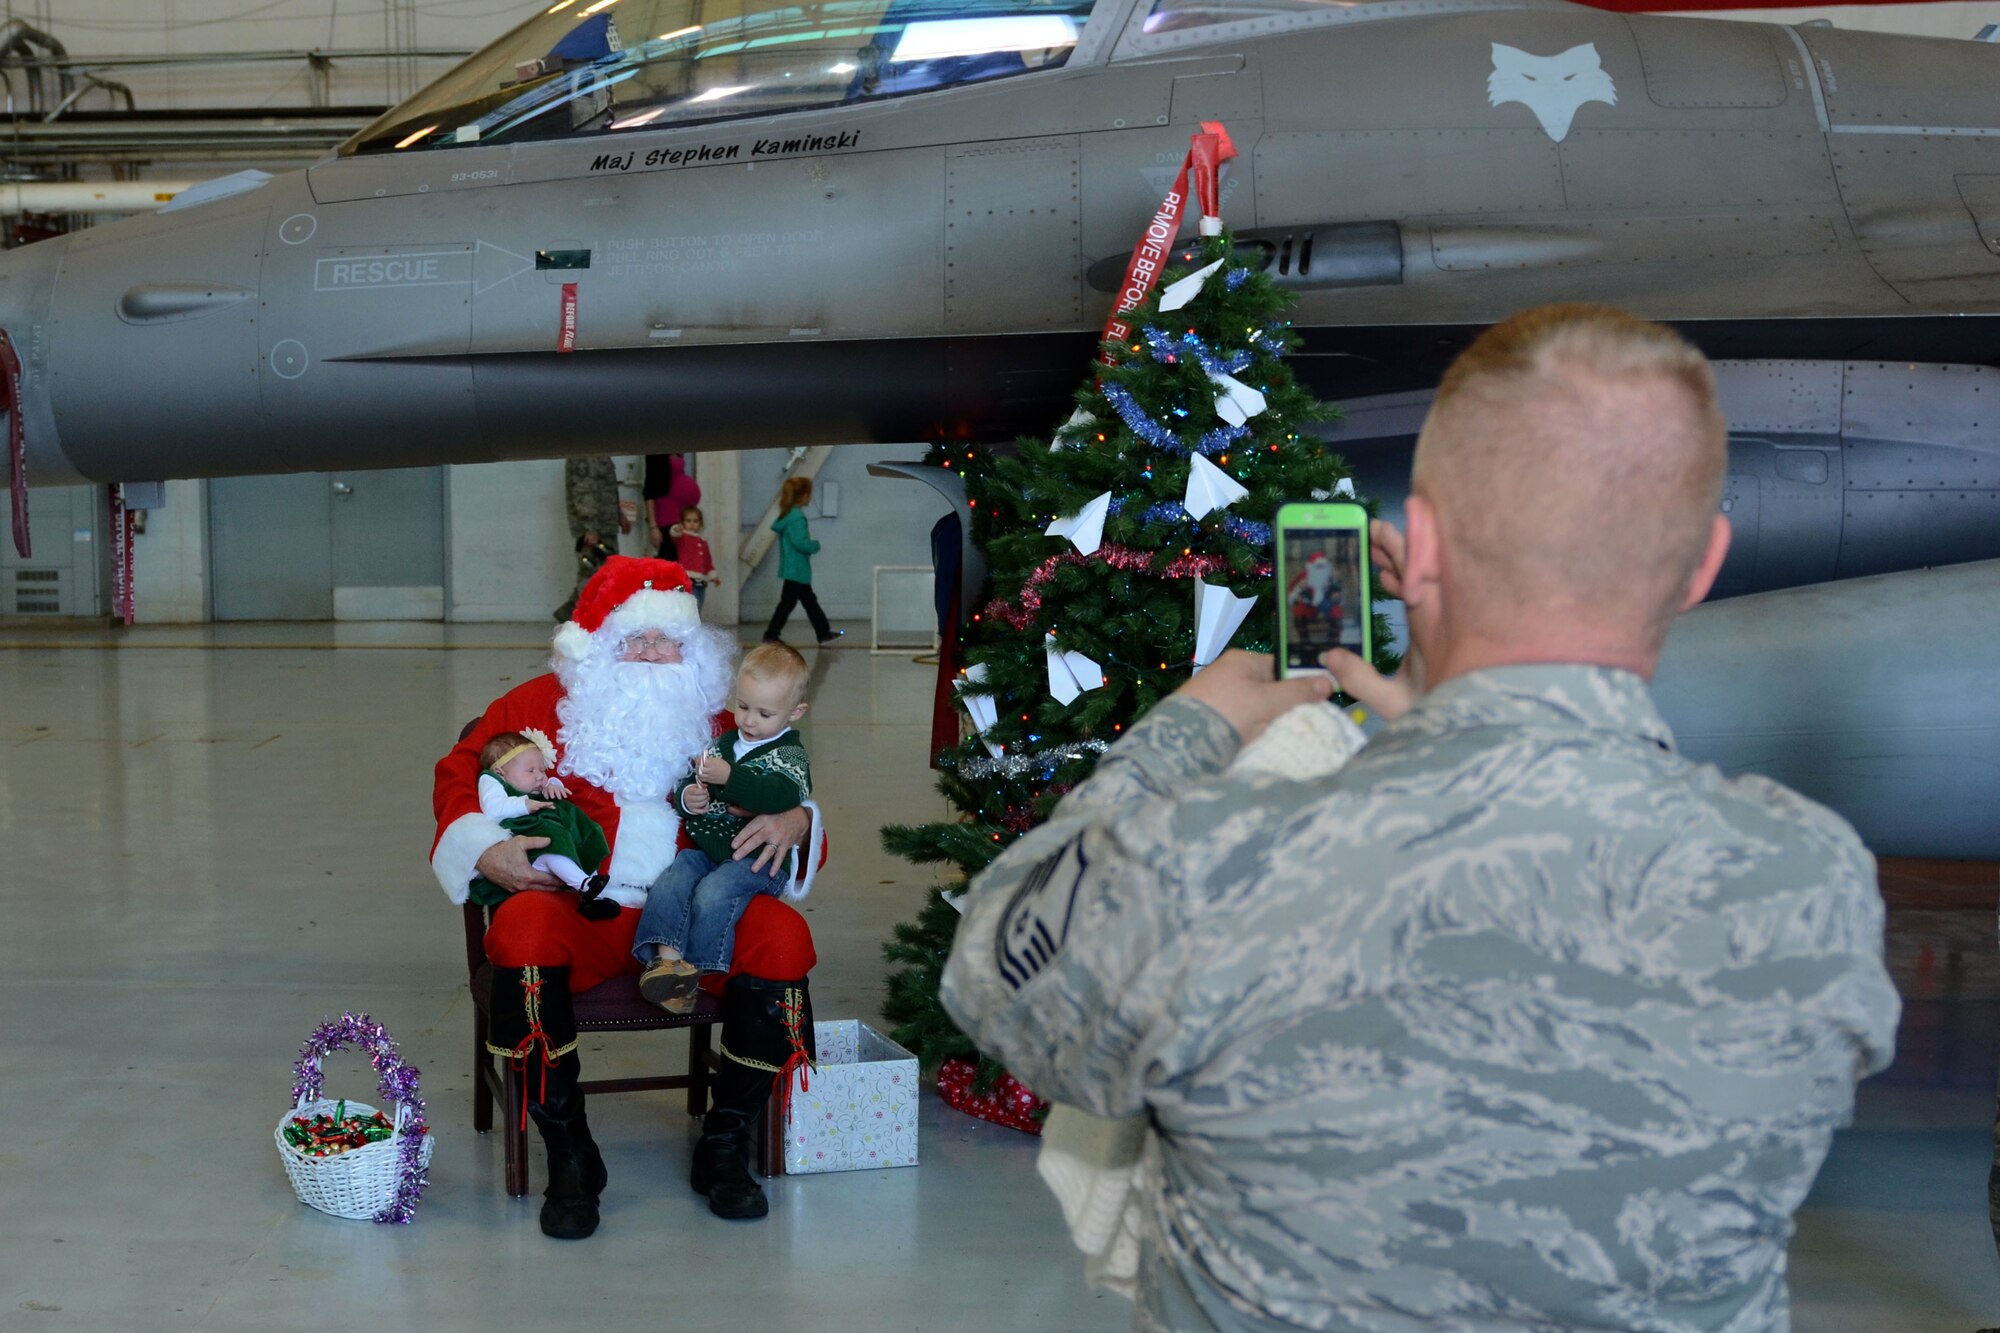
(1323, 594)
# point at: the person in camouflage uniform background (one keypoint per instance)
(590, 491)
(1518, 1021)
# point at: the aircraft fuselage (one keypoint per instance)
(922, 267)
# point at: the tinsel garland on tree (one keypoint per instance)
(1127, 604)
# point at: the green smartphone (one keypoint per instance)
(1323, 585)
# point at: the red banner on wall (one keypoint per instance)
(1206, 153)
(566, 336)
(121, 556)
(17, 443)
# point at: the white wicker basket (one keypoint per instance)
(358, 1183)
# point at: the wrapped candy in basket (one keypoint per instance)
(345, 1157)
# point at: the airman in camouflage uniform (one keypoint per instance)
(1518, 1021)
(590, 490)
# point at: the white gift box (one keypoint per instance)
(860, 1110)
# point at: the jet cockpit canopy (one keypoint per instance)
(587, 67)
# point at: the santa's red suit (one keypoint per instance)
(618, 766)
(545, 929)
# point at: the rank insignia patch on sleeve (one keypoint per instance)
(1036, 922)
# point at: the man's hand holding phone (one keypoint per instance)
(1241, 686)
(1388, 697)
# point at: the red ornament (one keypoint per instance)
(1008, 1102)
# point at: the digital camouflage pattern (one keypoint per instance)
(590, 487)
(1518, 1021)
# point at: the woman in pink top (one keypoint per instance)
(668, 490)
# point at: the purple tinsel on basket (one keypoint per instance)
(398, 1083)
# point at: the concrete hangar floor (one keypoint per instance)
(215, 839)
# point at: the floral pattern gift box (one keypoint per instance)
(858, 1109)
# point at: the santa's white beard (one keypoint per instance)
(635, 728)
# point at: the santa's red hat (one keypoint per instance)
(630, 596)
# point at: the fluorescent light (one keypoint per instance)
(601, 4)
(559, 6)
(842, 68)
(942, 38)
(418, 135)
(717, 94)
(678, 32)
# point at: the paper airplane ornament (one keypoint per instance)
(1084, 528)
(1218, 613)
(1180, 293)
(1070, 673)
(979, 707)
(1210, 488)
(1237, 402)
(1078, 420)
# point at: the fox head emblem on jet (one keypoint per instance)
(1552, 87)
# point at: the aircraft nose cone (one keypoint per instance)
(27, 288)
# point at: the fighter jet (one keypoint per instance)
(743, 224)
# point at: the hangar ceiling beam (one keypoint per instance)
(300, 135)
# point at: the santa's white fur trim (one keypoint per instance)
(807, 861)
(456, 860)
(648, 836)
(572, 641)
(654, 608)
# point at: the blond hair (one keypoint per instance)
(778, 663)
(795, 493)
(1575, 456)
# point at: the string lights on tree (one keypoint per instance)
(1110, 545)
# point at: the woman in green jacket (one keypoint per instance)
(795, 552)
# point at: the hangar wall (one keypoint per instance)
(507, 537)
(882, 521)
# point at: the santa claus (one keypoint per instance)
(635, 695)
(1315, 594)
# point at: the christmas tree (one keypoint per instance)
(1122, 555)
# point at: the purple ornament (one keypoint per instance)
(398, 1083)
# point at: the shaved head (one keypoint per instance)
(1574, 457)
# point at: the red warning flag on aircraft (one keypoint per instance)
(1208, 150)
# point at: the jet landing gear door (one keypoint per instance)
(370, 352)
(1013, 258)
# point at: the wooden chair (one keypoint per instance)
(615, 1006)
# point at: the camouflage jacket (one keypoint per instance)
(1518, 1021)
(590, 489)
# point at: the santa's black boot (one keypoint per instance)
(766, 1031)
(534, 1025)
